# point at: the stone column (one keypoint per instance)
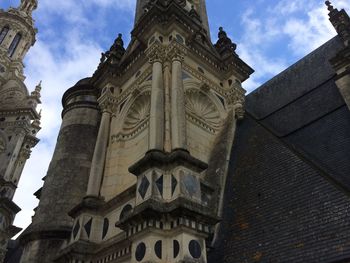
(178, 112)
(167, 84)
(99, 157)
(156, 125)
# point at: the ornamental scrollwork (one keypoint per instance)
(156, 52)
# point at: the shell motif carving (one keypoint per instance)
(138, 115)
(202, 111)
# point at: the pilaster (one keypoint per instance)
(107, 104)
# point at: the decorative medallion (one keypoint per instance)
(140, 251)
(195, 249)
(202, 111)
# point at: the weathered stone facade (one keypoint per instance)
(19, 120)
(135, 144)
(147, 166)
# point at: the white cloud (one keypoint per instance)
(301, 25)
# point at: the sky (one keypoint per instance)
(270, 35)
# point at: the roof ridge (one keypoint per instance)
(296, 99)
(304, 158)
(293, 65)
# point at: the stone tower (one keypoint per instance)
(140, 163)
(19, 120)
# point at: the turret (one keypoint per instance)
(69, 170)
(19, 119)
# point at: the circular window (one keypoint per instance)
(140, 251)
(176, 248)
(158, 249)
(195, 249)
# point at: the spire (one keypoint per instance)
(36, 92)
(199, 9)
(341, 22)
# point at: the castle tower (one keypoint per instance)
(19, 120)
(140, 162)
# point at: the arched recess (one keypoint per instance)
(129, 142)
(3, 33)
(14, 44)
(204, 106)
(205, 115)
(132, 111)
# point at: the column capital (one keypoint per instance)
(107, 101)
(176, 52)
(156, 53)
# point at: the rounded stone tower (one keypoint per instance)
(69, 170)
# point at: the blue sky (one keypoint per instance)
(270, 34)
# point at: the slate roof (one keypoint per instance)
(287, 195)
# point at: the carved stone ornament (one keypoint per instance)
(107, 101)
(156, 52)
(138, 114)
(176, 51)
(202, 111)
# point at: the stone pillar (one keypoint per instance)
(99, 157)
(156, 125)
(167, 85)
(178, 112)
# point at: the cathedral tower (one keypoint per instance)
(140, 162)
(19, 120)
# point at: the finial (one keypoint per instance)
(340, 21)
(222, 33)
(38, 87)
(329, 5)
(119, 41)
